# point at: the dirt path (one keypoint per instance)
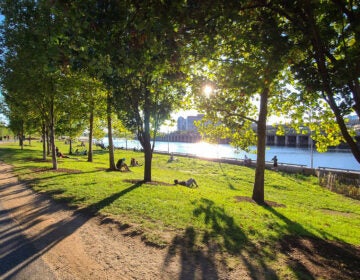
(71, 244)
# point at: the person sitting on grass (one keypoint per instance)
(134, 162)
(122, 165)
(172, 158)
(60, 154)
(189, 183)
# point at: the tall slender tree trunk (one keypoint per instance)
(70, 146)
(21, 137)
(21, 141)
(110, 137)
(146, 141)
(90, 152)
(147, 147)
(43, 136)
(52, 136)
(258, 191)
(48, 147)
(148, 160)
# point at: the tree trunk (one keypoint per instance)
(43, 135)
(110, 137)
(148, 161)
(90, 152)
(21, 141)
(147, 154)
(147, 141)
(70, 146)
(48, 147)
(52, 138)
(258, 191)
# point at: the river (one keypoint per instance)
(291, 155)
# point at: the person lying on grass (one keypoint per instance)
(189, 183)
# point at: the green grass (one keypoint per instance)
(210, 213)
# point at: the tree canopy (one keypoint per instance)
(62, 61)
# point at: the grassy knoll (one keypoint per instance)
(214, 216)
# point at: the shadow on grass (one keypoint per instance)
(18, 252)
(199, 251)
(96, 207)
(310, 257)
(204, 254)
(231, 185)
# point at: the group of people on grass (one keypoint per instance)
(77, 152)
(122, 166)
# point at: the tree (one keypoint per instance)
(325, 37)
(33, 52)
(93, 28)
(94, 97)
(245, 67)
(141, 67)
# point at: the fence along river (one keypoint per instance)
(338, 159)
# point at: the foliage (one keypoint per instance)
(246, 46)
(134, 54)
(325, 56)
(35, 77)
(76, 56)
(303, 114)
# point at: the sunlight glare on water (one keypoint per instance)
(203, 149)
(292, 155)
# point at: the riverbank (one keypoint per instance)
(285, 155)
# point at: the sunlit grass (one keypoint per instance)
(212, 208)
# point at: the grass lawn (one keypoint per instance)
(215, 215)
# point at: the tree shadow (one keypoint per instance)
(18, 251)
(310, 257)
(52, 173)
(203, 254)
(96, 207)
(194, 260)
(230, 183)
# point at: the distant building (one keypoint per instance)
(188, 124)
(181, 124)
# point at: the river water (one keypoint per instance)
(291, 155)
